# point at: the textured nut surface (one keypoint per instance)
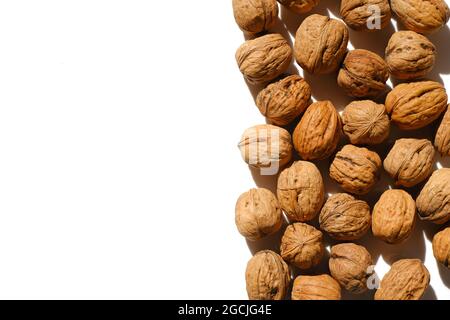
(441, 247)
(322, 287)
(283, 101)
(267, 276)
(357, 14)
(366, 122)
(423, 16)
(410, 161)
(255, 16)
(433, 202)
(320, 44)
(355, 169)
(442, 139)
(345, 218)
(406, 280)
(302, 245)
(300, 191)
(393, 216)
(299, 6)
(265, 58)
(410, 55)
(417, 104)
(349, 265)
(363, 74)
(317, 134)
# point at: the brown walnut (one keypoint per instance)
(442, 140)
(322, 287)
(358, 15)
(441, 247)
(299, 6)
(255, 16)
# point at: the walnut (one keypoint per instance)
(417, 104)
(423, 16)
(255, 16)
(441, 247)
(406, 280)
(317, 134)
(301, 191)
(393, 216)
(322, 287)
(410, 55)
(366, 122)
(442, 140)
(410, 161)
(299, 6)
(433, 202)
(363, 74)
(320, 44)
(265, 58)
(355, 169)
(345, 218)
(350, 266)
(302, 245)
(267, 276)
(358, 14)
(283, 101)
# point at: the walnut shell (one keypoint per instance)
(442, 140)
(433, 202)
(267, 276)
(345, 218)
(410, 161)
(355, 169)
(265, 58)
(301, 191)
(363, 74)
(406, 280)
(349, 265)
(366, 122)
(317, 134)
(441, 247)
(320, 44)
(283, 101)
(417, 104)
(358, 14)
(299, 6)
(322, 287)
(410, 55)
(393, 216)
(423, 16)
(302, 245)
(255, 16)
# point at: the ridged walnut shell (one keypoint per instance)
(410, 161)
(393, 216)
(283, 101)
(406, 280)
(410, 55)
(363, 74)
(302, 245)
(265, 58)
(433, 202)
(255, 16)
(322, 287)
(355, 169)
(442, 139)
(320, 44)
(299, 6)
(345, 218)
(417, 104)
(300, 191)
(317, 134)
(441, 247)
(267, 276)
(358, 14)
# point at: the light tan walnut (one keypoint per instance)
(255, 16)
(359, 14)
(299, 6)
(441, 247)
(321, 287)
(442, 139)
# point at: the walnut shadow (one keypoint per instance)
(445, 275)
(429, 294)
(375, 41)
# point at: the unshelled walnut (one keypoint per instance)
(423, 16)
(299, 6)
(302, 245)
(350, 266)
(317, 134)
(406, 280)
(301, 191)
(441, 247)
(355, 169)
(415, 105)
(283, 101)
(433, 202)
(393, 216)
(267, 276)
(363, 74)
(410, 55)
(442, 139)
(255, 16)
(410, 161)
(265, 58)
(358, 14)
(345, 218)
(365, 122)
(321, 287)
(320, 44)
(258, 214)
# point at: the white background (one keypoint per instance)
(119, 169)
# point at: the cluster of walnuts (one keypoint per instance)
(321, 48)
